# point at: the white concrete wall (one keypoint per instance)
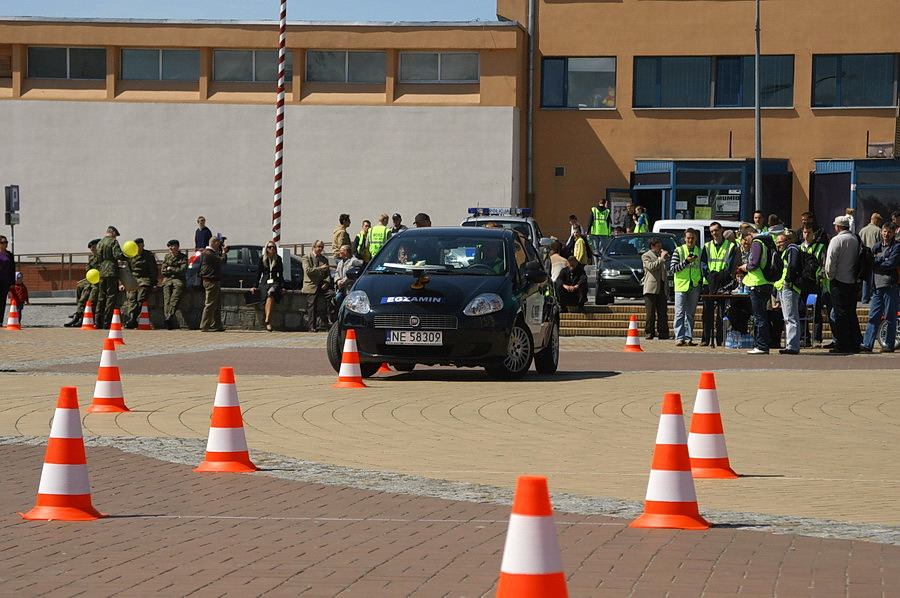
(151, 169)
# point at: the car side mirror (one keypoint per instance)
(534, 274)
(354, 272)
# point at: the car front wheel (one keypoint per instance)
(547, 360)
(334, 346)
(519, 354)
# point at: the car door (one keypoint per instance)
(533, 297)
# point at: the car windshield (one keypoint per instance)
(621, 246)
(476, 256)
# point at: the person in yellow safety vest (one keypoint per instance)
(641, 220)
(378, 235)
(685, 267)
(812, 243)
(360, 247)
(599, 225)
(760, 291)
(788, 292)
(717, 267)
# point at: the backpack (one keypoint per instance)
(865, 259)
(807, 276)
(774, 267)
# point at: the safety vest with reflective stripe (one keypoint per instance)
(717, 259)
(377, 236)
(756, 278)
(690, 275)
(816, 249)
(600, 225)
(779, 284)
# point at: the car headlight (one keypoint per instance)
(358, 301)
(610, 272)
(486, 303)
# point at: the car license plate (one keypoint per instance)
(415, 337)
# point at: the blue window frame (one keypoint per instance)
(711, 81)
(854, 80)
(578, 82)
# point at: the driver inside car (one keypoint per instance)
(490, 255)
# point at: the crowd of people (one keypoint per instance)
(774, 277)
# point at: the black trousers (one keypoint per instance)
(844, 323)
(713, 314)
(656, 315)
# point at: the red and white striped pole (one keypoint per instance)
(279, 126)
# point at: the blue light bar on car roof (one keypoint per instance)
(500, 211)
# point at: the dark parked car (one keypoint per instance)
(241, 270)
(468, 297)
(621, 272)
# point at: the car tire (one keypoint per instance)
(334, 346)
(403, 367)
(546, 361)
(519, 355)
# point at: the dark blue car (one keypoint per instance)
(468, 297)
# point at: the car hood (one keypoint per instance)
(624, 262)
(442, 289)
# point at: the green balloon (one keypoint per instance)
(130, 248)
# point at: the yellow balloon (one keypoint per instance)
(93, 276)
(130, 248)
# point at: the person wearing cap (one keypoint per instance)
(422, 220)
(398, 226)
(85, 291)
(213, 257)
(840, 269)
(340, 236)
(174, 268)
(108, 256)
(143, 266)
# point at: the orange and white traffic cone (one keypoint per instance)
(144, 318)
(12, 322)
(633, 341)
(115, 328)
(671, 500)
(531, 565)
(64, 493)
(226, 449)
(108, 390)
(87, 320)
(706, 440)
(350, 376)
(385, 369)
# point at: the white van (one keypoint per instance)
(677, 228)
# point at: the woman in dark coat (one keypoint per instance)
(271, 280)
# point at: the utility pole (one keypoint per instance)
(757, 119)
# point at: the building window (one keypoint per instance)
(160, 65)
(67, 63)
(439, 67)
(712, 81)
(854, 80)
(250, 65)
(338, 66)
(578, 82)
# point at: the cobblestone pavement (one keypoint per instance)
(816, 451)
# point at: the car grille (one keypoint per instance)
(429, 321)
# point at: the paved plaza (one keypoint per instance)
(403, 488)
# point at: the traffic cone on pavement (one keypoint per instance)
(12, 322)
(385, 369)
(350, 376)
(671, 500)
(115, 328)
(87, 320)
(226, 449)
(531, 565)
(108, 390)
(144, 318)
(633, 341)
(706, 440)
(64, 493)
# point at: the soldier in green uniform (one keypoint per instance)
(85, 291)
(108, 255)
(173, 272)
(145, 270)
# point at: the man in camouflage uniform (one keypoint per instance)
(85, 291)
(173, 272)
(108, 255)
(145, 270)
